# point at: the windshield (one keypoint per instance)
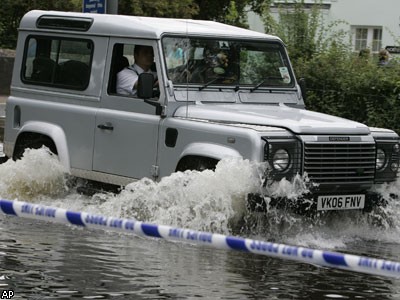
(223, 62)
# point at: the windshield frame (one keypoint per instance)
(261, 85)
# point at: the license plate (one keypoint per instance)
(339, 202)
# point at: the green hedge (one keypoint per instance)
(352, 87)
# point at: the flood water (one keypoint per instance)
(41, 260)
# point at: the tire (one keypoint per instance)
(196, 163)
(32, 141)
(3, 159)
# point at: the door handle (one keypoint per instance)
(107, 126)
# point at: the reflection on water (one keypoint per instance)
(64, 262)
(39, 260)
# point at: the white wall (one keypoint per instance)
(383, 14)
(371, 13)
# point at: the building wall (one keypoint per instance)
(369, 14)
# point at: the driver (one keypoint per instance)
(127, 79)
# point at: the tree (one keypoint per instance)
(297, 26)
(225, 11)
(218, 10)
(159, 8)
(228, 11)
(11, 12)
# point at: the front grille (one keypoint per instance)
(343, 163)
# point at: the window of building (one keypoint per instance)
(367, 37)
(57, 62)
(377, 40)
(361, 38)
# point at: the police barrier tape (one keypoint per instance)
(306, 255)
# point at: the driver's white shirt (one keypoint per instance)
(127, 78)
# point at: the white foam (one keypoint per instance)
(38, 173)
(207, 201)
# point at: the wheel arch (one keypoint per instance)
(208, 152)
(33, 130)
(211, 150)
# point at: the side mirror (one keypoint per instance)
(145, 86)
(303, 88)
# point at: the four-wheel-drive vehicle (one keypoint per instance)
(220, 91)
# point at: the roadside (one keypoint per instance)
(7, 57)
(3, 99)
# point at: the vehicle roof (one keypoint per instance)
(144, 27)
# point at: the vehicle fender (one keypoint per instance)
(56, 133)
(210, 150)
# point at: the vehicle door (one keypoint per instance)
(126, 131)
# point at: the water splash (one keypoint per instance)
(208, 200)
(38, 173)
(212, 201)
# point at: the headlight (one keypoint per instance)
(396, 148)
(380, 159)
(394, 166)
(281, 160)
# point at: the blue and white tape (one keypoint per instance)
(323, 258)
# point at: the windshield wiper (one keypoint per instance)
(236, 88)
(210, 82)
(264, 81)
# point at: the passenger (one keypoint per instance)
(364, 53)
(383, 59)
(127, 79)
(175, 57)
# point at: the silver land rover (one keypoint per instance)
(220, 91)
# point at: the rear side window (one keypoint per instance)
(57, 62)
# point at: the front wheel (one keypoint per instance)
(197, 163)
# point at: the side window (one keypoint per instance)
(57, 62)
(128, 62)
(122, 58)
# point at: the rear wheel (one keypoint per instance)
(32, 141)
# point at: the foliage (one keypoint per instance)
(163, 8)
(225, 11)
(297, 27)
(344, 84)
(234, 17)
(11, 12)
(339, 82)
